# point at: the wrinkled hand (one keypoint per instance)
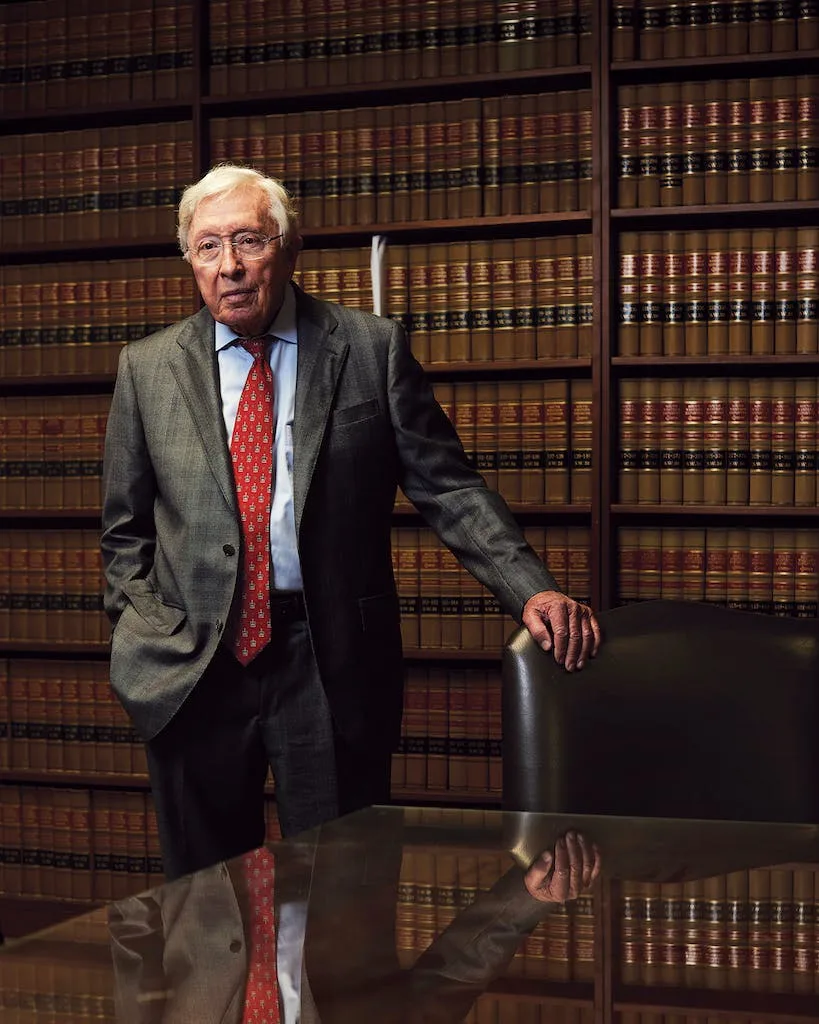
(567, 627)
(565, 873)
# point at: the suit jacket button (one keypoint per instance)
(235, 946)
(229, 550)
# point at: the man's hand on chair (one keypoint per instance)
(565, 873)
(564, 626)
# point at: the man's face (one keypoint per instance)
(246, 295)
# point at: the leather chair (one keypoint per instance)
(690, 710)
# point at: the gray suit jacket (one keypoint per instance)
(365, 421)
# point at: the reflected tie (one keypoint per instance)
(262, 990)
(252, 455)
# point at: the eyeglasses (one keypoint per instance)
(247, 245)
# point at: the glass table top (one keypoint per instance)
(422, 914)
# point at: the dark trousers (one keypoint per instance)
(209, 765)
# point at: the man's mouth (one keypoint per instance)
(236, 296)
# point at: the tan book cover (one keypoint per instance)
(509, 455)
(584, 296)
(693, 476)
(579, 558)
(481, 255)
(737, 464)
(622, 15)
(406, 542)
(548, 154)
(671, 441)
(760, 139)
(806, 576)
(782, 441)
(807, 131)
(807, 290)
(671, 564)
(736, 29)
(419, 114)
(365, 205)
(805, 879)
(401, 147)
(785, 291)
(437, 724)
(312, 211)
(651, 264)
(760, 571)
(556, 430)
(486, 431)
(335, 57)
(450, 600)
(419, 297)
(567, 150)
(650, 453)
(629, 438)
(806, 415)
(715, 440)
(528, 155)
(648, 128)
(566, 269)
(438, 277)
(783, 573)
(740, 269)
(715, 121)
(503, 301)
(383, 136)
(649, 564)
(737, 142)
(491, 157)
(436, 155)
(717, 290)
(692, 132)
(459, 274)
(760, 413)
(716, 565)
(628, 550)
(628, 336)
(415, 713)
(669, 142)
(759, 935)
(582, 442)
(696, 293)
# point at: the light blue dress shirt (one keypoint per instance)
(234, 365)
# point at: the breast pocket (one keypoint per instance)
(356, 413)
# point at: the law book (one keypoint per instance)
(11, 839)
(694, 548)
(628, 548)
(438, 279)
(671, 564)
(525, 302)
(760, 412)
(739, 292)
(782, 441)
(760, 571)
(737, 572)
(556, 441)
(415, 714)
(671, 441)
(472, 619)
(458, 731)
(546, 299)
(36, 713)
(715, 440)
(807, 291)
(629, 439)
(737, 462)
(803, 931)
(62, 842)
(760, 140)
(692, 101)
(673, 293)
(696, 293)
(628, 328)
(806, 416)
(807, 133)
(31, 884)
(715, 115)
(783, 573)
(716, 565)
(759, 935)
(717, 291)
(631, 932)
(785, 295)
(504, 340)
(737, 143)
(19, 737)
(649, 564)
(509, 455)
(566, 265)
(649, 454)
(693, 475)
(582, 442)
(71, 715)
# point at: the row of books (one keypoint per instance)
(442, 160)
(718, 441)
(752, 930)
(82, 844)
(62, 716)
(664, 29)
(51, 451)
(444, 607)
(491, 1008)
(450, 734)
(738, 292)
(69, 319)
(94, 183)
(435, 884)
(531, 440)
(769, 571)
(51, 586)
(736, 141)
(69, 53)
(79, 992)
(479, 301)
(330, 43)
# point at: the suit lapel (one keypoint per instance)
(193, 364)
(322, 351)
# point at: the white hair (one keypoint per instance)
(225, 178)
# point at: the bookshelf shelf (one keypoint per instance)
(417, 90)
(780, 1007)
(101, 115)
(792, 62)
(450, 654)
(88, 780)
(734, 363)
(718, 511)
(803, 211)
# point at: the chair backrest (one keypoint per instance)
(690, 710)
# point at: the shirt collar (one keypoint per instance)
(283, 326)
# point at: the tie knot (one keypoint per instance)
(255, 346)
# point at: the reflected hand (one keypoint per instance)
(559, 623)
(565, 873)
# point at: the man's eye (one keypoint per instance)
(208, 246)
(250, 240)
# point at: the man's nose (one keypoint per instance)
(229, 265)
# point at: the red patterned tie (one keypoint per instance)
(262, 989)
(251, 450)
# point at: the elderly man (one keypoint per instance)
(251, 463)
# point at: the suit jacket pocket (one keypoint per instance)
(164, 618)
(354, 413)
